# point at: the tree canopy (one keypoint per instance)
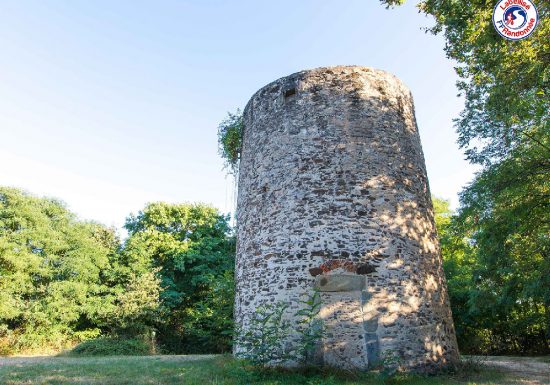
(191, 246)
(505, 83)
(63, 280)
(496, 248)
(52, 287)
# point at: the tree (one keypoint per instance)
(505, 83)
(63, 280)
(498, 280)
(193, 250)
(504, 212)
(51, 265)
(459, 264)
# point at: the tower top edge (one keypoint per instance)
(335, 71)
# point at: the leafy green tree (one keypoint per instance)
(504, 212)
(51, 264)
(459, 264)
(211, 318)
(137, 306)
(63, 280)
(193, 250)
(505, 83)
(498, 280)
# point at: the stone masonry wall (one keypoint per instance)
(333, 194)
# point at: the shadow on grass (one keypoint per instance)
(466, 372)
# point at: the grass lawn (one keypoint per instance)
(171, 370)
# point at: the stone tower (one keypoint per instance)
(333, 194)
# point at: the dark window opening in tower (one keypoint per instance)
(290, 93)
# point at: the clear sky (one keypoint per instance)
(108, 105)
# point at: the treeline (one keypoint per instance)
(498, 274)
(168, 286)
(497, 247)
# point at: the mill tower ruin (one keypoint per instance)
(333, 196)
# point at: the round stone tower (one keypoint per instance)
(333, 196)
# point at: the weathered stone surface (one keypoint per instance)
(332, 169)
(339, 282)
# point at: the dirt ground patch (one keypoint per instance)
(528, 370)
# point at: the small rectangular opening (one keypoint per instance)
(290, 92)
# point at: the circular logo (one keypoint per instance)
(515, 19)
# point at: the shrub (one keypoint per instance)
(106, 346)
(230, 136)
(263, 341)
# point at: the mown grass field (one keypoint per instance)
(201, 370)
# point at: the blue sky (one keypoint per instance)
(109, 105)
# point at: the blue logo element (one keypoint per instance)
(515, 17)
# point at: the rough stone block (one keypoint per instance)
(339, 282)
(371, 325)
(373, 353)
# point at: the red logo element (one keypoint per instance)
(515, 19)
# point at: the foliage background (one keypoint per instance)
(169, 285)
(64, 281)
(497, 247)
